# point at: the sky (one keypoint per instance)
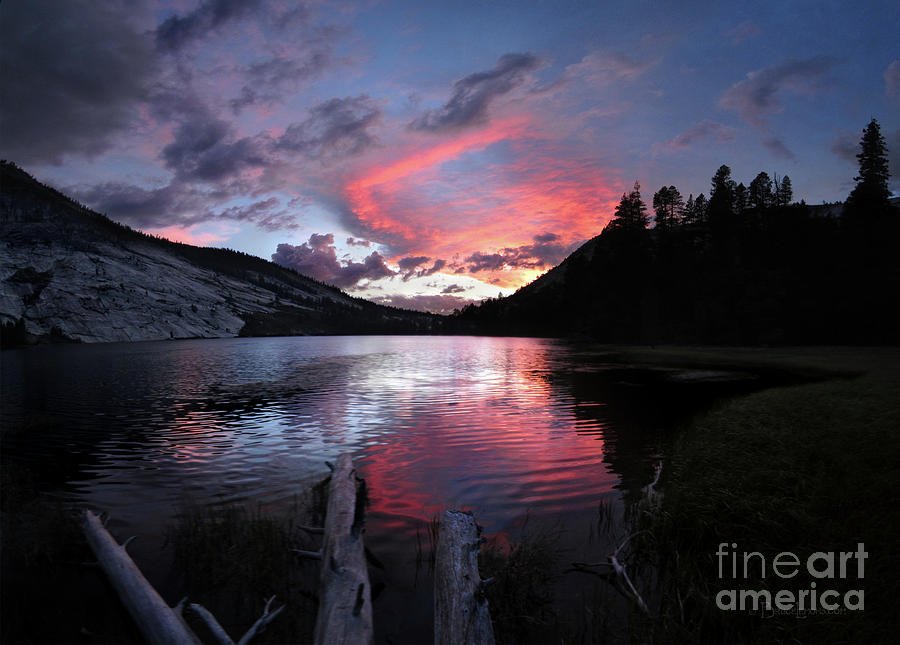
(430, 154)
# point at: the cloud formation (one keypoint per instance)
(759, 95)
(179, 30)
(546, 251)
(699, 132)
(335, 128)
(472, 95)
(317, 259)
(742, 32)
(205, 150)
(73, 74)
(409, 266)
(892, 80)
(600, 69)
(432, 303)
(269, 80)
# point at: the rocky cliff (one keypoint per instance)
(68, 273)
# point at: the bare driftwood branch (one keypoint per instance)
(157, 622)
(211, 623)
(345, 604)
(624, 582)
(259, 626)
(310, 555)
(461, 615)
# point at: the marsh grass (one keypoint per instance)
(521, 597)
(233, 558)
(802, 469)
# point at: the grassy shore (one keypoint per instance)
(800, 469)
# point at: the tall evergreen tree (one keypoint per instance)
(740, 199)
(631, 213)
(870, 196)
(668, 206)
(761, 191)
(701, 209)
(785, 192)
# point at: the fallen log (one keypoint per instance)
(345, 604)
(157, 622)
(461, 615)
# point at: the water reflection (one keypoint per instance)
(508, 428)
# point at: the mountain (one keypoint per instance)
(70, 274)
(780, 275)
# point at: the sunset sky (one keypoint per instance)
(427, 154)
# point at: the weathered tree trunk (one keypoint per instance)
(461, 615)
(157, 622)
(345, 604)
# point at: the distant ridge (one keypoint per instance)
(68, 273)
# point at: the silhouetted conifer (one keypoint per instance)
(668, 206)
(631, 213)
(761, 192)
(869, 198)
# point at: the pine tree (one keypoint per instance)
(761, 193)
(870, 197)
(668, 206)
(740, 199)
(631, 213)
(785, 192)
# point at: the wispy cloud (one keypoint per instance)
(599, 69)
(334, 129)
(472, 95)
(698, 133)
(744, 31)
(761, 93)
(892, 80)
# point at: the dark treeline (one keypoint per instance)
(743, 266)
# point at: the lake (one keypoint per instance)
(520, 431)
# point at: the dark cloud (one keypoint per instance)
(760, 93)
(73, 73)
(202, 150)
(177, 31)
(778, 148)
(436, 304)
(336, 128)
(266, 214)
(177, 204)
(699, 132)
(354, 242)
(547, 251)
(317, 259)
(410, 263)
(409, 266)
(453, 288)
(473, 94)
(268, 81)
(143, 207)
(846, 145)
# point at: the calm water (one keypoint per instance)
(510, 428)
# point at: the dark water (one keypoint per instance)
(509, 428)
